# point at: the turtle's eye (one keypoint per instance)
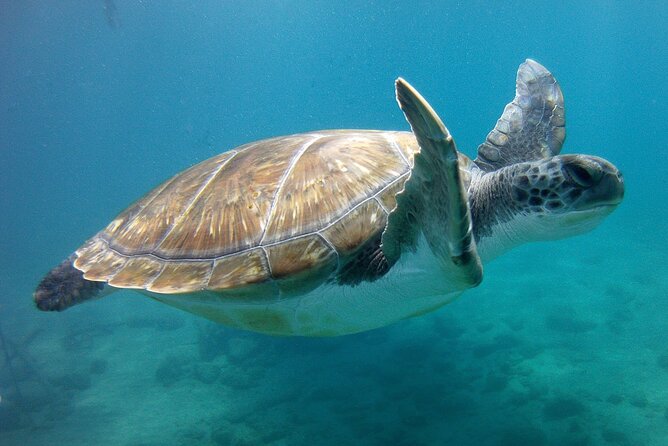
(580, 175)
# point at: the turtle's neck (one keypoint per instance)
(494, 212)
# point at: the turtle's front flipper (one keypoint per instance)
(65, 286)
(434, 198)
(531, 126)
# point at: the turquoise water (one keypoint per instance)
(564, 343)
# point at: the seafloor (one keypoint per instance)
(546, 351)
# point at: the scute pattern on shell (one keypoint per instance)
(269, 210)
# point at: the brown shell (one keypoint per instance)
(283, 209)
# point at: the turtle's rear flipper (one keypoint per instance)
(65, 286)
(434, 199)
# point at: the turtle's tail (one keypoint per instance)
(65, 286)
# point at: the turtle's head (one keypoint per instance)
(546, 199)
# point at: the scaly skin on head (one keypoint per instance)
(545, 199)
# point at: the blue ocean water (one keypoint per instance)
(564, 343)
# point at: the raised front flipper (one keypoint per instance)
(531, 126)
(434, 198)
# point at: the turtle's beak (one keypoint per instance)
(611, 188)
(601, 182)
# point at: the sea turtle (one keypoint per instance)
(334, 232)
